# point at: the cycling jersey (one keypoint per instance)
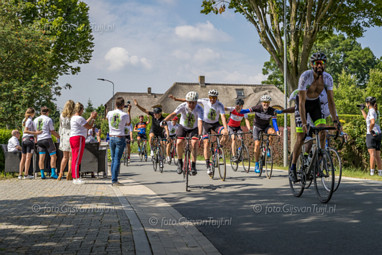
(307, 78)
(44, 124)
(189, 119)
(156, 128)
(262, 117)
(211, 111)
(235, 117)
(31, 127)
(141, 127)
(172, 128)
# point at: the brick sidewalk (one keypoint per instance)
(49, 216)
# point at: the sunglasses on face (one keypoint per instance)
(191, 102)
(213, 97)
(319, 62)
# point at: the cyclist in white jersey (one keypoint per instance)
(172, 128)
(310, 86)
(191, 125)
(213, 108)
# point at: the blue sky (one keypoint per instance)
(154, 43)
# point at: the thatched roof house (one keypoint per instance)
(228, 93)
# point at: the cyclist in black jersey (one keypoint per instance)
(157, 126)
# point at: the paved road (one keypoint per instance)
(251, 215)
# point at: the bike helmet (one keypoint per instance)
(192, 96)
(371, 100)
(317, 56)
(239, 101)
(175, 118)
(265, 98)
(157, 110)
(213, 93)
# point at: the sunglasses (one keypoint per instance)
(191, 102)
(319, 62)
(211, 97)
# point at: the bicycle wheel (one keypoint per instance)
(155, 160)
(245, 158)
(222, 167)
(268, 163)
(297, 187)
(145, 151)
(161, 159)
(187, 168)
(324, 177)
(234, 164)
(337, 164)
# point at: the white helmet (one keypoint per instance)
(265, 98)
(192, 96)
(213, 93)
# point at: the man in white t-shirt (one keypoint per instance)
(45, 143)
(13, 142)
(191, 125)
(118, 120)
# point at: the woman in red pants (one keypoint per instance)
(78, 132)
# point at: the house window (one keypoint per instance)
(240, 93)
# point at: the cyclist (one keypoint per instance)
(236, 115)
(140, 127)
(212, 108)
(263, 114)
(310, 86)
(191, 125)
(157, 126)
(373, 135)
(172, 128)
(129, 140)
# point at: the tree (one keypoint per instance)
(347, 95)
(308, 21)
(67, 23)
(343, 53)
(374, 88)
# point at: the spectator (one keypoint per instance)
(91, 133)
(45, 143)
(78, 131)
(373, 135)
(117, 122)
(13, 142)
(64, 132)
(27, 143)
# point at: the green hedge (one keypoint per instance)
(5, 135)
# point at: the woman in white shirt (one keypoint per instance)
(78, 132)
(64, 132)
(27, 143)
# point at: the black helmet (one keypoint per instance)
(157, 110)
(371, 100)
(318, 56)
(239, 101)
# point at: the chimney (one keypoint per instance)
(202, 81)
(149, 90)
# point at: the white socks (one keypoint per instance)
(380, 172)
(371, 171)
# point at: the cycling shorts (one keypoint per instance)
(256, 132)
(46, 145)
(313, 107)
(233, 130)
(182, 132)
(142, 136)
(27, 145)
(216, 127)
(128, 139)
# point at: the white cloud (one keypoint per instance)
(206, 55)
(182, 55)
(205, 32)
(118, 57)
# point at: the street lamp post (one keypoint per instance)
(112, 98)
(285, 90)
